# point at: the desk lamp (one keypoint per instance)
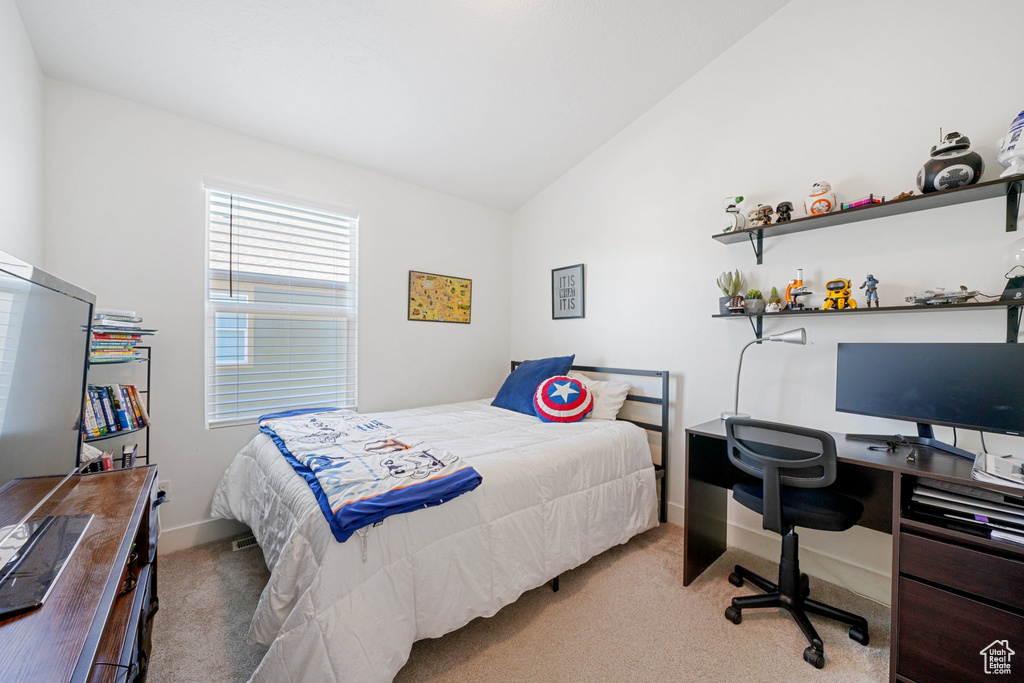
(798, 336)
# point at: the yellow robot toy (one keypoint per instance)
(838, 296)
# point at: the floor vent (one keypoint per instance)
(243, 543)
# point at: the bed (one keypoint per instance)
(553, 496)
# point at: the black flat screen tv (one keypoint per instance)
(970, 386)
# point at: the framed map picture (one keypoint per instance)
(567, 292)
(440, 298)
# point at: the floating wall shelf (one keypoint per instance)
(1012, 314)
(1002, 187)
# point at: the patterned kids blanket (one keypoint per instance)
(361, 470)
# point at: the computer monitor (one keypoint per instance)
(970, 386)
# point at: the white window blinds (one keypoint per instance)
(280, 307)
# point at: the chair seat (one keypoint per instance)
(808, 508)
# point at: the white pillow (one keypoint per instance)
(608, 396)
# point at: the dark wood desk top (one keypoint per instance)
(48, 643)
(930, 462)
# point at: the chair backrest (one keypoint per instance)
(781, 454)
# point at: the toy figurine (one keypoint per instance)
(821, 200)
(761, 216)
(870, 285)
(752, 219)
(785, 211)
(734, 210)
(902, 195)
(838, 296)
(952, 164)
(1011, 148)
(796, 289)
(736, 306)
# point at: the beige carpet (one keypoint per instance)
(624, 615)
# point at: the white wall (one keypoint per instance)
(21, 139)
(125, 218)
(852, 93)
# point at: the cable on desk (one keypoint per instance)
(954, 437)
(983, 447)
(129, 667)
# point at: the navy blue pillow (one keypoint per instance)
(520, 386)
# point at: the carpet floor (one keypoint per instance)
(624, 615)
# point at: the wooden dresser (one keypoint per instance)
(85, 627)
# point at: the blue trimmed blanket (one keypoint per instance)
(359, 468)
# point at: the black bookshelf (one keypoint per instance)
(144, 394)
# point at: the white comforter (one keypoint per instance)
(553, 496)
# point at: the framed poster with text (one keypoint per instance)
(567, 292)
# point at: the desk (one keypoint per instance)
(957, 589)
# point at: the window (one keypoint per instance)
(231, 334)
(280, 306)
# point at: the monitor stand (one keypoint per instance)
(33, 557)
(925, 437)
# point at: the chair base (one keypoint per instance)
(791, 594)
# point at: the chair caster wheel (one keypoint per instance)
(814, 657)
(805, 585)
(733, 615)
(735, 579)
(860, 635)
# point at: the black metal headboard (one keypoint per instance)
(660, 471)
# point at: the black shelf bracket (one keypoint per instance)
(1012, 205)
(1012, 324)
(759, 244)
(758, 327)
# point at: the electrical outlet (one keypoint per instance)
(165, 486)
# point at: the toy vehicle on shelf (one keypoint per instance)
(932, 297)
(838, 296)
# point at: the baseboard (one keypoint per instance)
(859, 579)
(871, 583)
(675, 513)
(199, 533)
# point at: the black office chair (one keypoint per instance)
(794, 464)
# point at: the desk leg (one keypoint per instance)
(705, 505)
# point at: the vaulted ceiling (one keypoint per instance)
(489, 100)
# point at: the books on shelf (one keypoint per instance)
(113, 408)
(115, 336)
(988, 514)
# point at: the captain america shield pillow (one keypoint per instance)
(562, 399)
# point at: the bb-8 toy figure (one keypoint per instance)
(821, 200)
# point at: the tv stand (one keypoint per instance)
(96, 623)
(925, 437)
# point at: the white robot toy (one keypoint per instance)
(821, 200)
(1011, 148)
(734, 209)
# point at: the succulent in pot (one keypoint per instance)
(753, 302)
(731, 285)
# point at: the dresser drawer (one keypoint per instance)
(972, 571)
(942, 635)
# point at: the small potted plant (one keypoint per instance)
(753, 302)
(731, 285)
(774, 302)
